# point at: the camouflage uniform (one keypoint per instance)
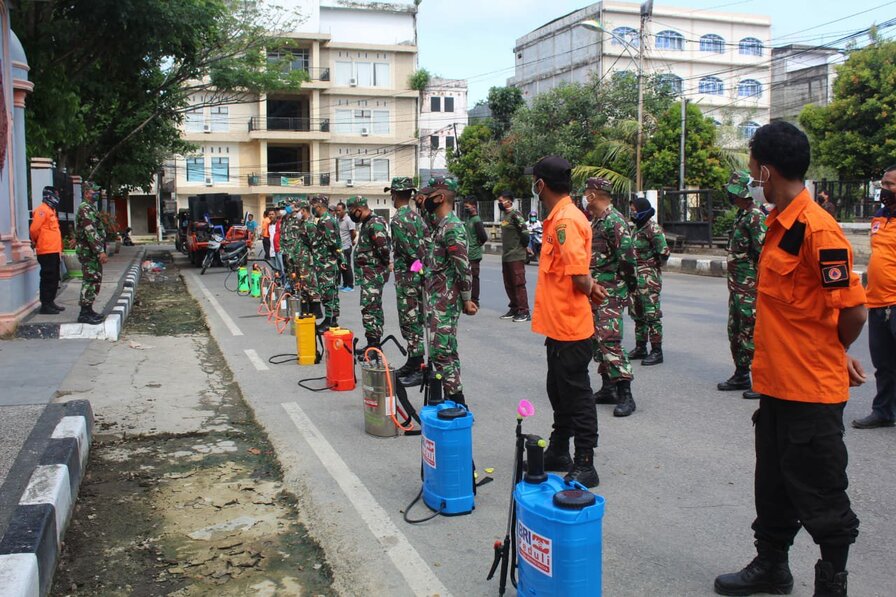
(90, 238)
(408, 245)
(613, 267)
(449, 282)
(328, 261)
(307, 267)
(744, 247)
(652, 252)
(372, 256)
(290, 227)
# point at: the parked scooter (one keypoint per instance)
(533, 251)
(231, 254)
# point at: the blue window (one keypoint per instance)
(671, 83)
(750, 46)
(749, 88)
(196, 169)
(625, 36)
(669, 40)
(712, 43)
(711, 86)
(221, 169)
(748, 129)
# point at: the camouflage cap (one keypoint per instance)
(89, 185)
(425, 190)
(739, 184)
(442, 183)
(301, 203)
(596, 183)
(401, 183)
(320, 200)
(356, 201)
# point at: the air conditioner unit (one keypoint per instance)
(208, 182)
(349, 183)
(353, 82)
(206, 128)
(365, 131)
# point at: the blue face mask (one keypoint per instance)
(289, 209)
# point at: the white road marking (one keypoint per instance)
(256, 360)
(420, 578)
(218, 308)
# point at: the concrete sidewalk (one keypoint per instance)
(120, 276)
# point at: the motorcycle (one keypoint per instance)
(533, 251)
(231, 254)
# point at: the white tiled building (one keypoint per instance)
(443, 116)
(721, 61)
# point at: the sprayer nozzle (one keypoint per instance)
(542, 443)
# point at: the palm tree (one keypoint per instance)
(612, 158)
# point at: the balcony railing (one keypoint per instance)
(289, 123)
(321, 73)
(289, 179)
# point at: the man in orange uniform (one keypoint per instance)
(563, 314)
(47, 241)
(881, 306)
(810, 307)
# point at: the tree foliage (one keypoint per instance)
(705, 166)
(473, 163)
(113, 78)
(503, 102)
(856, 133)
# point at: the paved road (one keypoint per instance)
(677, 475)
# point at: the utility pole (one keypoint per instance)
(160, 174)
(684, 123)
(646, 11)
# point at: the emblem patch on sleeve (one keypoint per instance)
(834, 264)
(561, 233)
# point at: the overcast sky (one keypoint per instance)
(474, 39)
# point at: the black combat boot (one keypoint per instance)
(48, 309)
(626, 404)
(556, 457)
(458, 398)
(324, 325)
(827, 582)
(751, 395)
(639, 352)
(655, 357)
(59, 308)
(739, 381)
(583, 470)
(88, 316)
(411, 374)
(607, 392)
(769, 572)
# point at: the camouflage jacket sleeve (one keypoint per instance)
(628, 259)
(407, 239)
(660, 247)
(90, 233)
(519, 222)
(456, 247)
(757, 230)
(379, 240)
(330, 240)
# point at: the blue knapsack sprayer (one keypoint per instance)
(553, 527)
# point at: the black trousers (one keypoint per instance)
(49, 277)
(348, 275)
(474, 267)
(882, 342)
(569, 390)
(266, 243)
(801, 473)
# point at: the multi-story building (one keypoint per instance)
(345, 132)
(718, 60)
(802, 75)
(443, 116)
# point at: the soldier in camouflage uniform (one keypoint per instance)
(90, 238)
(448, 285)
(408, 246)
(329, 259)
(652, 253)
(290, 225)
(744, 246)
(613, 267)
(372, 257)
(306, 268)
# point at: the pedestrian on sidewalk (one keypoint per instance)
(91, 247)
(514, 244)
(266, 234)
(563, 298)
(613, 264)
(809, 309)
(744, 247)
(348, 234)
(46, 239)
(476, 237)
(251, 226)
(652, 253)
(881, 293)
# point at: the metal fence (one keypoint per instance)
(691, 213)
(854, 198)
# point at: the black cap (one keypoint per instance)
(552, 168)
(507, 194)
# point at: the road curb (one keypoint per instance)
(116, 311)
(717, 268)
(29, 549)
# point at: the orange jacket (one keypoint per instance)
(44, 230)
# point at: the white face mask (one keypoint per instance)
(282, 212)
(535, 190)
(757, 191)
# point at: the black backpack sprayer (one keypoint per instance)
(553, 539)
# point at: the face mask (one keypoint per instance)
(501, 206)
(430, 204)
(887, 197)
(534, 190)
(289, 209)
(533, 219)
(757, 191)
(355, 217)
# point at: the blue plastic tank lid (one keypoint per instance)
(574, 499)
(448, 414)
